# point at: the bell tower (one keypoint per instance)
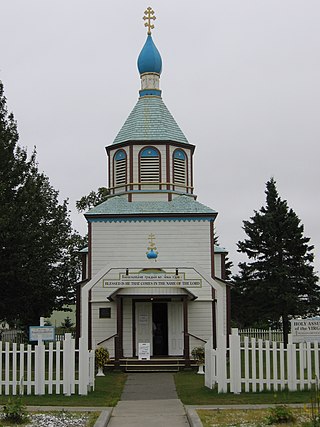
(150, 158)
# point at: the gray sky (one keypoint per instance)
(241, 78)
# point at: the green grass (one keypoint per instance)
(192, 391)
(257, 417)
(107, 392)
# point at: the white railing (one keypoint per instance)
(54, 368)
(263, 334)
(258, 365)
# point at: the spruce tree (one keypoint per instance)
(38, 268)
(278, 283)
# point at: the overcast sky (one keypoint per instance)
(241, 78)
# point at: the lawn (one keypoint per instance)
(191, 390)
(257, 417)
(107, 392)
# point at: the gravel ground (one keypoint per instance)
(61, 419)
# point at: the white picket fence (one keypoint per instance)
(55, 368)
(264, 334)
(258, 365)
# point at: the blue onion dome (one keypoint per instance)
(152, 254)
(149, 60)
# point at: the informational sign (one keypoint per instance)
(41, 333)
(305, 330)
(153, 280)
(144, 351)
(143, 319)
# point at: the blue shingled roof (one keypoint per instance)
(180, 205)
(150, 120)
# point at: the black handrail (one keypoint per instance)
(194, 336)
(107, 339)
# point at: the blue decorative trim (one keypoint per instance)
(146, 92)
(152, 219)
(179, 154)
(120, 155)
(149, 152)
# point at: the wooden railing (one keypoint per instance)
(197, 338)
(107, 339)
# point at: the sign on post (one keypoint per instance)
(144, 351)
(305, 330)
(41, 333)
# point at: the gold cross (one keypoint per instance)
(149, 14)
(151, 239)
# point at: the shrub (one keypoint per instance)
(101, 356)
(14, 411)
(280, 415)
(198, 354)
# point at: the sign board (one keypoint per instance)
(144, 351)
(305, 330)
(41, 333)
(153, 280)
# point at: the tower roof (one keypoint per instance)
(150, 120)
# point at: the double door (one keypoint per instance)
(161, 325)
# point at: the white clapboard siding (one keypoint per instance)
(104, 328)
(46, 369)
(199, 322)
(258, 365)
(130, 241)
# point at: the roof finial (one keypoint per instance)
(149, 15)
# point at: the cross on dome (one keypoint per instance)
(149, 15)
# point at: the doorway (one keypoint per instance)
(160, 328)
(161, 325)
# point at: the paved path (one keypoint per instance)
(149, 399)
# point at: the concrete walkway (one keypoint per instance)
(149, 399)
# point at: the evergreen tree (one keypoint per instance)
(278, 283)
(93, 199)
(37, 244)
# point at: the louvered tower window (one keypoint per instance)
(179, 167)
(120, 167)
(149, 165)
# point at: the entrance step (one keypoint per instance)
(171, 364)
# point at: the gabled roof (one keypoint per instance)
(179, 205)
(220, 250)
(150, 120)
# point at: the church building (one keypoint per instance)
(152, 274)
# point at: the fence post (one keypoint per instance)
(208, 378)
(67, 364)
(83, 367)
(221, 359)
(291, 365)
(235, 361)
(39, 369)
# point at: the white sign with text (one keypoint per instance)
(305, 330)
(144, 351)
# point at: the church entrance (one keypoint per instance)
(160, 328)
(160, 324)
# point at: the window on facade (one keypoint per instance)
(120, 167)
(105, 313)
(179, 167)
(149, 165)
